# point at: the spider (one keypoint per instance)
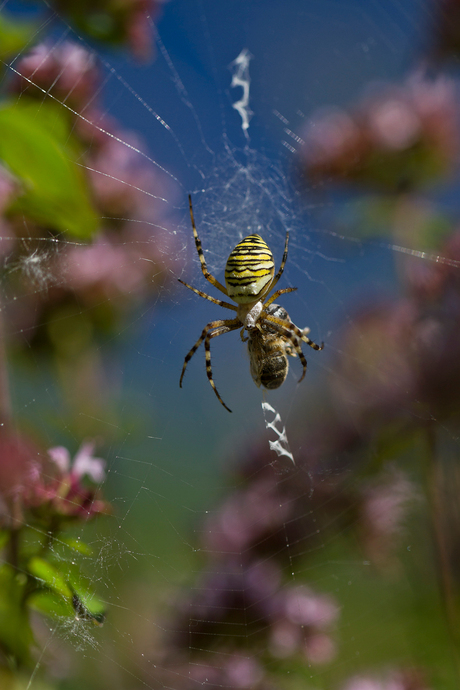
(249, 277)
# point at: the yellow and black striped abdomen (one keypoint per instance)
(249, 270)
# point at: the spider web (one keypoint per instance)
(220, 114)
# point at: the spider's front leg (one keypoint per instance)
(209, 277)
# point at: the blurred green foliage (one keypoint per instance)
(37, 147)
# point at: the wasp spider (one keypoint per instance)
(249, 277)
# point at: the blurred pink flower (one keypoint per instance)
(291, 620)
(66, 70)
(302, 622)
(384, 507)
(139, 26)
(121, 181)
(246, 517)
(61, 492)
(243, 672)
(305, 607)
(320, 648)
(84, 462)
(405, 679)
(399, 137)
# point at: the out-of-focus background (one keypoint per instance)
(150, 538)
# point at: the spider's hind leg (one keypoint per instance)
(207, 352)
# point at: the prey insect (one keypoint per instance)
(271, 335)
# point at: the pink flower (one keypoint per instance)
(65, 70)
(61, 492)
(304, 607)
(302, 623)
(383, 511)
(399, 136)
(83, 464)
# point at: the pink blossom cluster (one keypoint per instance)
(234, 600)
(65, 492)
(64, 70)
(303, 623)
(48, 489)
(398, 138)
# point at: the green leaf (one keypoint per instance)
(37, 147)
(76, 545)
(15, 633)
(50, 604)
(50, 576)
(67, 583)
(14, 35)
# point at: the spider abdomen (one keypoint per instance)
(249, 270)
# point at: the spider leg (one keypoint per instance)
(290, 327)
(199, 249)
(222, 326)
(283, 263)
(220, 302)
(207, 352)
(277, 294)
(298, 349)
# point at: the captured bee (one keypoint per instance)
(249, 278)
(268, 349)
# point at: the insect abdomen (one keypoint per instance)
(274, 371)
(268, 361)
(250, 268)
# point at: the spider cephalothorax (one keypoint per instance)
(250, 277)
